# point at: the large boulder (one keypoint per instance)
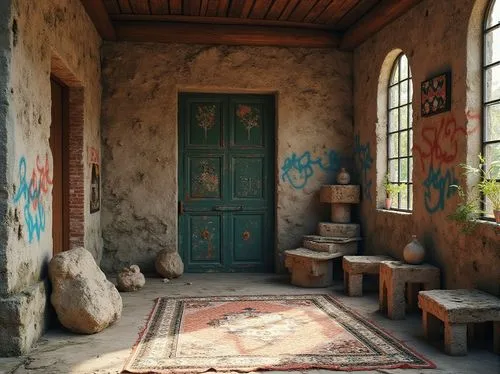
(84, 300)
(130, 279)
(169, 264)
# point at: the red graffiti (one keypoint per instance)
(40, 181)
(439, 142)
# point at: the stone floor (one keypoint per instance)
(62, 352)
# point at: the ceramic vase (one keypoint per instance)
(414, 252)
(343, 177)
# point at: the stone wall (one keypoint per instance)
(436, 36)
(141, 83)
(34, 34)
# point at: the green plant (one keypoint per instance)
(392, 189)
(468, 211)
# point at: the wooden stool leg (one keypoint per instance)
(431, 326)
(355, 285)
(496, 337)
(455, 339)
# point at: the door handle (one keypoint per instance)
(222, 208)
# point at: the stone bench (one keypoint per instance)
(355, 266)
(310, 268)
(457, 308)
(396, 277)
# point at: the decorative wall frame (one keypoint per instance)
(435, 94)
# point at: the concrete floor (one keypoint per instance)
(62, 352)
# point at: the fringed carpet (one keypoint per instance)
(247, 333)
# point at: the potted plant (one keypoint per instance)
(488, 188)
(391, 191)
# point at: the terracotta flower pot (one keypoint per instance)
(388, 203)
(496, 213)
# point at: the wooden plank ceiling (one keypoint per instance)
(308, 23)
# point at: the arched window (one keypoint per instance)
(491, 89)
(400, 133)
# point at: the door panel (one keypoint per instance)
(226, 185)
(248, 238)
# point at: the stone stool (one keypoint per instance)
(394, 276)
(457, 308)
(310, 268)
(340, 196)
(355, 266)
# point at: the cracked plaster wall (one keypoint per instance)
(141, 82)
(31, 33)
(436, 36)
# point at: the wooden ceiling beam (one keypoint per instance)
(100, 18)
(381, 15)
(170, 32)
(216, 20)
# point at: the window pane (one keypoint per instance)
(492, 122)
(403, 117)
(393, 171)
(393, 145)
(393, 96)
(404, 67)
(403, 93)
(492, 83)
(395, 74)
(494, 15)
(410, 173)
(403, 199)
(410, 191)
(492, 154)
(403, 170)
(492, 46)
(393, 120)
(403, 143)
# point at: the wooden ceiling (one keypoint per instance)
(294, 23)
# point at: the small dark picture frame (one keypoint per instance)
(435, 94)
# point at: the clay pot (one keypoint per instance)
(343, 177)
(496, 213)
(388, 203)
(414, 252)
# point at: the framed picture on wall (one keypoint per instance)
(436, 95)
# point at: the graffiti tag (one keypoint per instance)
(437, 188)
(297, 170)
(364, 160)
(33, 192)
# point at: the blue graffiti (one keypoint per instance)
(33, 192)
(363, 158)
(437, 188)
(297, 170)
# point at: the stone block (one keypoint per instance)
(338, 193)
(355, 266)
(345, 248)
(339, 230)
(341, 213)
(394, 275)
(23, 319)
(310, 268)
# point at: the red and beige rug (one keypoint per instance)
(247, 333)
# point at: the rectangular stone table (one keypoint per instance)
(457, 308)
(394, 276)
(355, 266)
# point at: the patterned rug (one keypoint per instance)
(247, 333)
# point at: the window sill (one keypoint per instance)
(393, 211)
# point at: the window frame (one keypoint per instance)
(484, 104)
(409, 130)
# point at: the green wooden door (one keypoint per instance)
(226, 183)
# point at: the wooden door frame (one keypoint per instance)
(274, 256)
(65, 159)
